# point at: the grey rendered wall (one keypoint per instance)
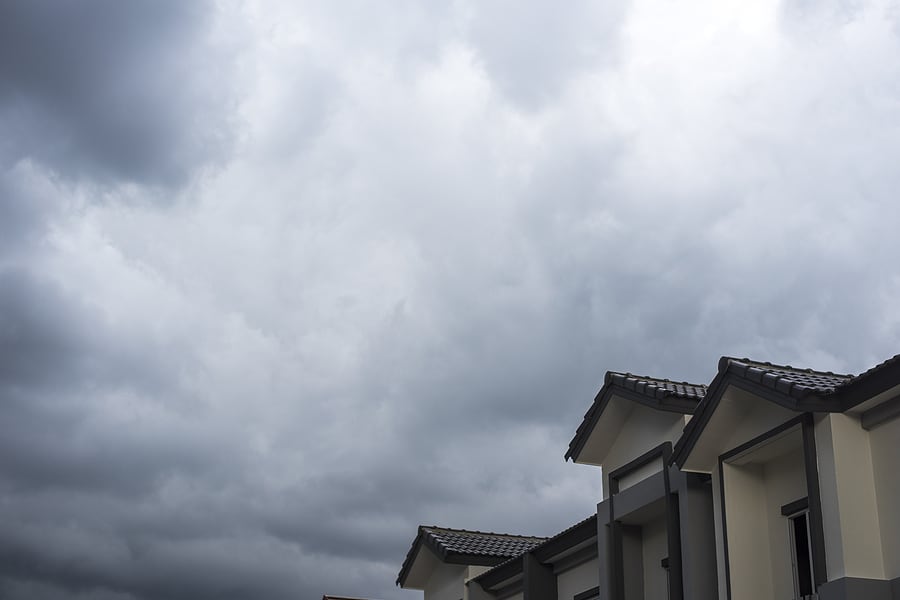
(574, 581)
(698, 540)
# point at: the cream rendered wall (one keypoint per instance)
(761, 417)
(785, 481)
(885, 444)
(446, 583)
(847, 485)
(758, 540)
(655, 548)
(748, 539)
(644, 429)
(740, 417)
(574, 581)
(641, 474)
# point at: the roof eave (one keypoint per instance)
(799, 398)
(410, 558)
(657, 398)
(869, 384)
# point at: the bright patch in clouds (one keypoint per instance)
(279, 282)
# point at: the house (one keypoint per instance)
(563, 566)
(805, 480)
(656, 536)
(440, 560)
(769, 482)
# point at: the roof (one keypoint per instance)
(873, 381)
(795, 388)
(653, 387)
(461, 541)
(661, 394)
(569, 537)
(792, 381)
(462, 546)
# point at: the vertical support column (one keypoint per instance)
(632, 563)
(673, 533)
(817, 530)
(616, 562)
(616, 575)
(539, 580)
(698, 537)
(673, 529)
(853, 533)
(603, 550)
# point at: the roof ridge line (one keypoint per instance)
(651, 378)
(750, 362)
(455, 530)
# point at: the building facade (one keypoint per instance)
(769, 482)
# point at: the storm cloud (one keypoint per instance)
(105, 91)
(281, 281)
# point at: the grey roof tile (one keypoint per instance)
(881, 367)
(657, 388)
(663, 394)
(481, 543)
(786, 379)
(807, 389)
(463, 542)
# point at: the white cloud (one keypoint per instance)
(394, 297)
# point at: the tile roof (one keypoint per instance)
(590, 522)
(785, 379)
(481, 543)
(480, 546)
(655, 387)
(663, 394)
(882, 367)
(800, 389)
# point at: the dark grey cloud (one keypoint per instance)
(426, 239)
(107, 92)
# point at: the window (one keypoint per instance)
(801, 555)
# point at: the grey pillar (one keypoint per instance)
(539, 580)
(698, 538)
(603, 548)
(632, 562)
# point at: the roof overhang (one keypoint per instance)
(879, 384)
(738, 412)
(610, 408)
(427, 552)
(419, 563)
(740, 384)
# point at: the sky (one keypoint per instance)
(280, 281)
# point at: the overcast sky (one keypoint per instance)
(281, 281)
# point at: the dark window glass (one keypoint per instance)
(801, 547)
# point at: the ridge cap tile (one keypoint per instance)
(787, 379)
